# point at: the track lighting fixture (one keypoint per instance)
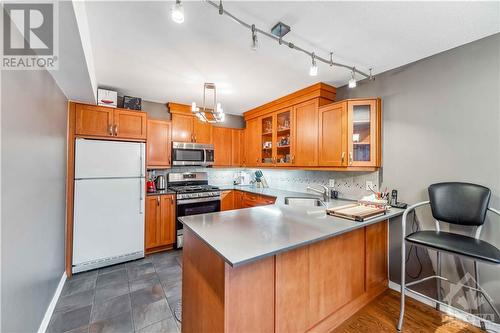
(313, 71)
(352, 81)
(255, 42)
(177, 12)
(277, 33)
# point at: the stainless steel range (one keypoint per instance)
(194, 196)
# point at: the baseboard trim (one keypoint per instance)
(52, 305)
(445, 309)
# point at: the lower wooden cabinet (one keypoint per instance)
(234, 199)
(160, 223)
(253, 200)
(227, 200)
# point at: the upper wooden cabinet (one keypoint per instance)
(158, 144)
(130, 124)
(252, 142)
(305, 134)
(182, 128)
(238, 146)
(186, 127)
(364, 132)
(332, 128)
(102, 121)
(307, 129)
(202, 132)
(222, 140)
(159, 223)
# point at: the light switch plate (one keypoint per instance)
(331, 183)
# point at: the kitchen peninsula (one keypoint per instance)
(280, 268)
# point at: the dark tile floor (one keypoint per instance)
(138, 296)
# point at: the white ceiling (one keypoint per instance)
(139, 51)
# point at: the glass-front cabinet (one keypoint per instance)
(267, 134)
(276, 138)
(363, 132)
(283, 137)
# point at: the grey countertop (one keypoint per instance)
(245, 235)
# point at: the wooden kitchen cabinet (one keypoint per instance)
(93, 120)
(227, 200)
(159, 223)
(305, 134)
(238, 199)
(102, 121)
(182, 128)
(222, 140)
(252, 142)
(332, 128)
(159, 139)
(202, 132)
(253, 200)
(364, 132)
(238, 145)
(187, 128)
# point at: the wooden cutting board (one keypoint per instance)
(356, 212)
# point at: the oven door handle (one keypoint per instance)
(180, 202)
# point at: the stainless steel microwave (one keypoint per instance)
(197, 154)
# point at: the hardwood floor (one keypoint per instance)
(382, 314)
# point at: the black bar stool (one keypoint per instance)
(460, 204)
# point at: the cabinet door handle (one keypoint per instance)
(350, 158)
(343, 157)
(110, 129)
(293, 158)
(116, 129)
(158, 200)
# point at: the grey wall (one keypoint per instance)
(157, 110)
(441, 120)
(33, 143)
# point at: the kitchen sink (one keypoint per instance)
(304, 202)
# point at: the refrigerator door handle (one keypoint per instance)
(141, 197)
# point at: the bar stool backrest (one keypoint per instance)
(459, 203)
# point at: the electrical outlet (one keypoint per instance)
(331, 183)
(369, 185)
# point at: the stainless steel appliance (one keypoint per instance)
(160, 182)
(188, 154)
(194, 196)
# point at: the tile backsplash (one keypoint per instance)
(351, 185)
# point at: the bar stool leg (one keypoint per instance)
(476, 279)
(403, 285)
(438, 282)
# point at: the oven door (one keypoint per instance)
(187, 207)
(188, 156)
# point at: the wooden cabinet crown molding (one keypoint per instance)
(179, 108)
(318, 90)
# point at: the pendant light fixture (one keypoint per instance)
(212, 114)
(177, 12)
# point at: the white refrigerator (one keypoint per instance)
(109, 201)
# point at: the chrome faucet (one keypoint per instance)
(325, 192)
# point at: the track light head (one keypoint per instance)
(313, 70)
(177, 12)
(352, 81)
(255, 41)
